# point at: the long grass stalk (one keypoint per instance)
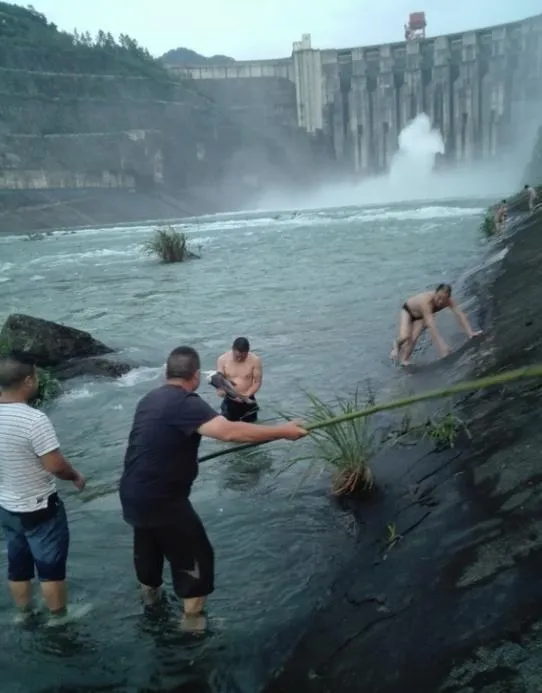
(528, 372)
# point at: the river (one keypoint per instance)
(318, 296)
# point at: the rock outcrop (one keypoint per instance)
(64, 350)
(454, 604)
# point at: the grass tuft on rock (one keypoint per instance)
(169, 245)
(48, 385)
(346, 448)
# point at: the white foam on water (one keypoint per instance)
(139, 375)
(77, 393)
(417, 214)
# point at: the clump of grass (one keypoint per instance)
(488, 226)
(169, 245)
(48, 386)
(443, 432)
(347, 448)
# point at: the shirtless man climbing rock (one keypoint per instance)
(244, 370)
(417, 315)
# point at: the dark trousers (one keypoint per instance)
(186, 547)
(239, 411)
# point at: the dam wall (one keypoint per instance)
(477, 87)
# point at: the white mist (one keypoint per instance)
(419, 143)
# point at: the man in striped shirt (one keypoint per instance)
(32, 515)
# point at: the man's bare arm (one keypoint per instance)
(257, 375)
(220, 367)
(55, 463)
(462, 319)
(220, 428)
(435, 336)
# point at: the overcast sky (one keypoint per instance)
(256, 29)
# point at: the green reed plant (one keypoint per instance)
(346, 448)
(169, 245)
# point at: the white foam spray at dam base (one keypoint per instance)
(411, 178)
(419, 143)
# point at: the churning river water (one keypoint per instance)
(318, 296)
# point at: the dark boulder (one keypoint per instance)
(64, 350)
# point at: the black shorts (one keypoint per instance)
(187, 549)
(240, 411)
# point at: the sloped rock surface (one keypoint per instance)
(454, 605)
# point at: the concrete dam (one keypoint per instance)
(477, 87)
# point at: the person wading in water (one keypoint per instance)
(417, 314)
(160, 466)
(244, 370)
(32, 514)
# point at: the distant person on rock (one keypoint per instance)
(32, 514)
(417, 314)
(531, 196)
(244, 370)
(501, 216)
(160, 466)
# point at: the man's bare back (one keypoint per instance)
(422, 303)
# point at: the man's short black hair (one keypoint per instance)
(15, 368)
(526, 186)
(444, 287)
(241, 344)
(182, 363)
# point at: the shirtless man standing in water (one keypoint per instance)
(244, 369)
(417, 315)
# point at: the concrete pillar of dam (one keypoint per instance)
(359, 112)
(308, 81)
(466, 97)
(361, 99)
(385, 121)
(440, 92)
(411, 98)
(330, 88)
(494, 86)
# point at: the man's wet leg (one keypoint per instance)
(417, 331)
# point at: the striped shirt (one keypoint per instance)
(26, 434)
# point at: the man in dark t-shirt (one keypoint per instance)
(160, 466)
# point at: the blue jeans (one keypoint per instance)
(38, 542)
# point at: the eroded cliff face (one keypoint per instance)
(455, 606)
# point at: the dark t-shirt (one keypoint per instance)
(161, 461)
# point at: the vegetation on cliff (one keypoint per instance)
(184, 56)
(169, 245)
(29, 41)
